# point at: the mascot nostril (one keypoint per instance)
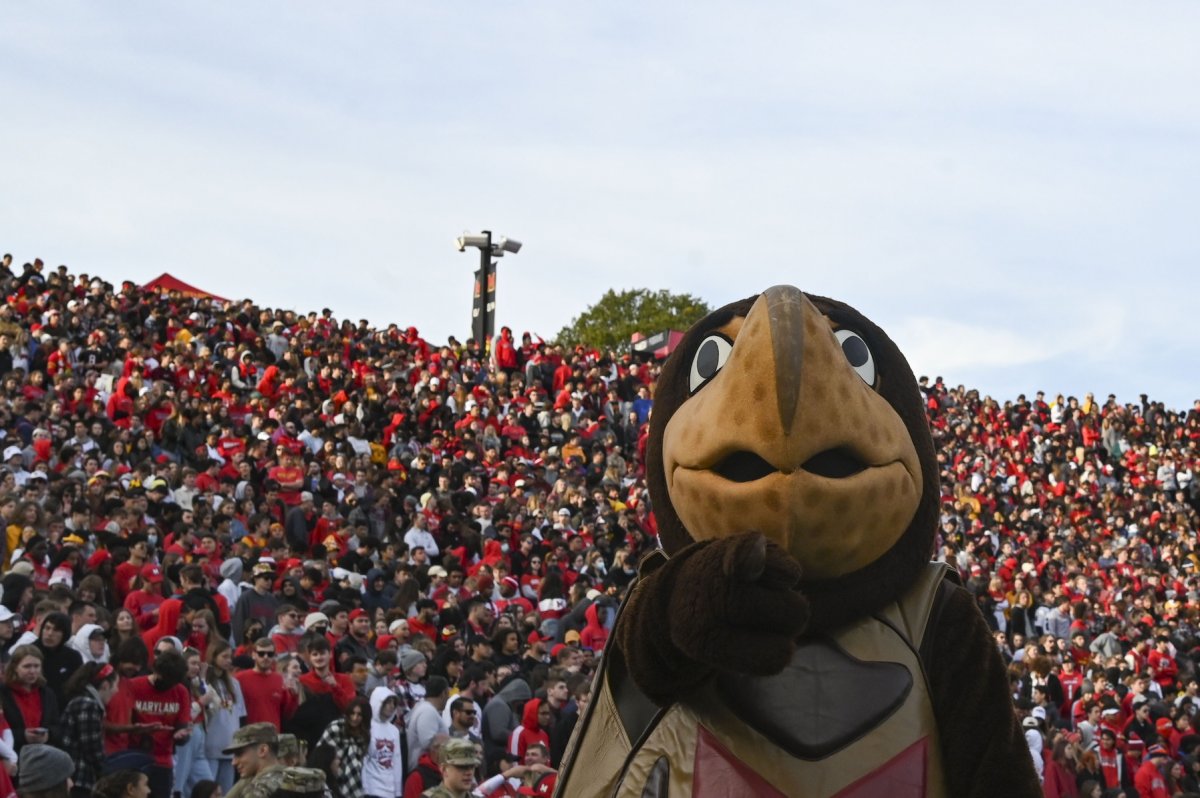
(836, 463)
(744, 467)
(792, 637)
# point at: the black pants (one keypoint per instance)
(162, 781)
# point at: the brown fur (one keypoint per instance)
(711, 607)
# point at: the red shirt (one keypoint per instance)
(171, 708)
(119, 712)
(144, 607)
(267, 700)
(123, 576)
(343, 692)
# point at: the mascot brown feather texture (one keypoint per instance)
(792, 637)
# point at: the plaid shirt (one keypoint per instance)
(83, 737)
(352, 751)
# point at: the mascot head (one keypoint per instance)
(795, 416)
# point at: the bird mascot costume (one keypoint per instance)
(792, 637)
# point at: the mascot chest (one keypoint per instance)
(849, 717)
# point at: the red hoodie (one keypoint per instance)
(528, 732)
(167, 626)
(594, 635)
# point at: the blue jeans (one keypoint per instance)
(191, 765)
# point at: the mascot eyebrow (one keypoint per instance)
(791, 636)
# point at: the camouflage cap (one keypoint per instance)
(254, 734)
(301, 781)
(289, 745)
(460, 751)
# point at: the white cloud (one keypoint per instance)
(1023, 177)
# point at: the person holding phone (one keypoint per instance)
(30, 707)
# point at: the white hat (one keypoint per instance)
(5, 614)
(11, 452)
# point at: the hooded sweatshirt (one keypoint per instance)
(383, 768)
(499, 719)
(168, 623)
(528, 732)
(231, 574)
(594, 634)
(80, 642)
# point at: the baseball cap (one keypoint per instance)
(460, 752)
(254, 734)
(12, 451)
(152, 573)
(438, 570)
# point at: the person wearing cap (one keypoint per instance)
(1149, 780)
(357, 643)
(459, 760)
(260, 603)
(45, 772)
(255, 751)
(268, 699)
(301, 782)
(288, 751)
(1141, 725)
(146, 600)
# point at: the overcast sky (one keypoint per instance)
(1009, 190)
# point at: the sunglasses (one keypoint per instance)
(258, 653)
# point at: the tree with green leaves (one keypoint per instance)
(611, 322)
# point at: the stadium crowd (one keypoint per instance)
(249, 550)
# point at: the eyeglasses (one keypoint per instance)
(467, 711)
(258, 653)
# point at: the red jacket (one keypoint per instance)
(1150, 782)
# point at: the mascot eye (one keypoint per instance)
(856, 351)
(710, 357)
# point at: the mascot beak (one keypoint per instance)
(790, 438)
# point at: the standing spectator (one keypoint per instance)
(224, 714)
(349, 738)
(145, 601)
(1149, 779)
(59, 660)
(383, 767)
(162, 700)
(191, 760)
(259, 604)
(268, 699)
(425, 721)
(30, 706)
(89, 690)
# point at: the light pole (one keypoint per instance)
(483, 310)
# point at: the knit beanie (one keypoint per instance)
(43, 767)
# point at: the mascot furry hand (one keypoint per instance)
(793, 638)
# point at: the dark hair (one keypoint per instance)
(322, 758)
(58, 620)
(436, 685)
(117, 783)
(365, 707)
(461, 704)
(132, 650)
(78, 682)
(205, 788)
(318, 643)
(171, 668)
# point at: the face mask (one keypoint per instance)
(152, 539)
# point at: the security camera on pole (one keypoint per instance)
(483, 310)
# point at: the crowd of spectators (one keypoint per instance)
(219, 514)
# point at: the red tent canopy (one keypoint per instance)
(165, 283)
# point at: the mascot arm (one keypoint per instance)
(728, 604)
(984, 751)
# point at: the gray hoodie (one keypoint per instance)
(499, 718)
